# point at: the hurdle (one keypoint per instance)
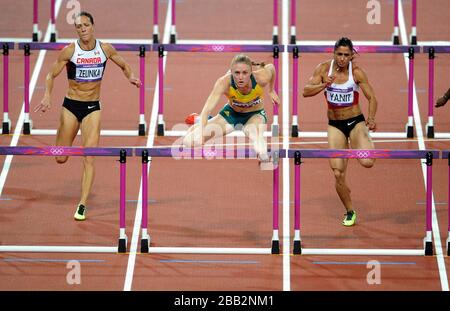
(275, 23)
(122, 153)
(6, 125)
(413, 35)
(207, 153)
(36, 36)
(431, 50)
(446, 155)
(395, 34)
(130, 47)
(215, 48)
(297, 49)
(293, 29)
(299, 154)
(155, 21)
(173, 31)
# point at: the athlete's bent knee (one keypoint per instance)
(367, 163)
(61, 160)
(338, 174)
(88, 160)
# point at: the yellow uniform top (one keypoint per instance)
(237, 99)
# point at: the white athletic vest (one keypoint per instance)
(87, 66)
(342, 95)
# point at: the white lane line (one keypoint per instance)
(20, 120)
(286, 162)
(150, 142)
(421, 143)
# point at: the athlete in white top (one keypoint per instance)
(347, 127)
(85, 61)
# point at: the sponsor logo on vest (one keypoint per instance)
(251, 103)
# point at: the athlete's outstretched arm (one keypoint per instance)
(55, 70)
(220, 87)
(112, 54)
(270, 69)
(367, 89)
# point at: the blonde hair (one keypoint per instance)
(242, 58)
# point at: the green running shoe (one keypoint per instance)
(80, 214)
(350, 218)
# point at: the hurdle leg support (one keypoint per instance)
(297, 247)
(53, 36)
(173, 38)
(6, 126)
(275, 39)
(294, 130)
(275, 247)
(428, 248)
(145, 241)
(160, 129)
(27, 127)
(123, 241)
(410, 131)
(297, 173)
(428, 244)
(36, 36)
(141, 129)
(122, 248)
(395, 35)
(430, 131)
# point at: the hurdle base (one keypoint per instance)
(297, 248)
(122, 248)
(35, 37)
(275, 247)
(448, 246)
(27, 128)
(173, 39)
(410, 132)
(155, 39)
(141, 130)
(145, 244)
(275, 39)
(294, 132)
(160, 131)
(428, 248)
(53, 37)
(413, 40)
(6, 127)
(396, 40)
(293, 40)
(430, 132)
